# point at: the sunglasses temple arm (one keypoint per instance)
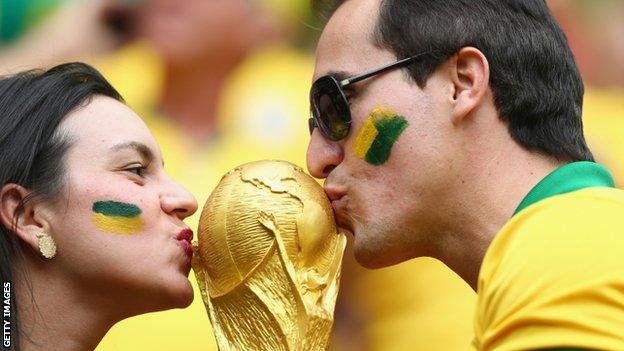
(359, 77)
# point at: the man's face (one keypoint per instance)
(387, 193)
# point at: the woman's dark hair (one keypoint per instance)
(32, 146)
(536, 85)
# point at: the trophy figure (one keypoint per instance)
(268, 259)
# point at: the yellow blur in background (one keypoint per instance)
(225, 83)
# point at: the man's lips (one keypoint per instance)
(339, 207)
(334, 192)
(338, 200)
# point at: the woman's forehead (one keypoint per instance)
(105, 122)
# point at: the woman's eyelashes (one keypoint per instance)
(137, 170)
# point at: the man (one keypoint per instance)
(452, 129)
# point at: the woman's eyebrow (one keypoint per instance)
(145, 152)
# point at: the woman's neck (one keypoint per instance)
(54, 314)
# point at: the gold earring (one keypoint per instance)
(47, 247)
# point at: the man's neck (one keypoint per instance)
(497, 186)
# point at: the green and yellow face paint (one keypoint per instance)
(117, 217)
(380, 131)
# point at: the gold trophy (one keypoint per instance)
(268, 259)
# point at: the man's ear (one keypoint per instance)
(470, 75)
(24, 222)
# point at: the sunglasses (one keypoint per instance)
(329, 107)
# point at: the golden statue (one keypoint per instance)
(268, 259)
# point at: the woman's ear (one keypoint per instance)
(470, 74)
(24, 222)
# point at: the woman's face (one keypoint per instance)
(118, 222)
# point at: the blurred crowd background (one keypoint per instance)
(224, 82)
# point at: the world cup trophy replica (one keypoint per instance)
(268, 259)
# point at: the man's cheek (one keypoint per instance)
(374, 141)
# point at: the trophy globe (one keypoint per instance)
(268, 259)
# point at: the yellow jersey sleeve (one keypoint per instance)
(554, 276)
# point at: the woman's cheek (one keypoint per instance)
(117, 217)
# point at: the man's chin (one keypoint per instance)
(367, 257)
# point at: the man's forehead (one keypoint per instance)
(347, 37)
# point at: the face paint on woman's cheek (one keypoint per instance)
(117, 217)
(375, 139)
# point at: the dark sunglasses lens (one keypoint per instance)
(330, 109)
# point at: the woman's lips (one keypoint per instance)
(185, 234)
(184, 239)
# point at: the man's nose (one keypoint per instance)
(323, 155)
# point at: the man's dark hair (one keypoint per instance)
(536, 85)
(33, 147)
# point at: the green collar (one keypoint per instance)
(568, 178)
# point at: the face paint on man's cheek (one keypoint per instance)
(375, 139)
(117, 217)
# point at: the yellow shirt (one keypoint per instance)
(553, 277)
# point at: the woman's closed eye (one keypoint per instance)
(137, 169)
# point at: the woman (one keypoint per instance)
(92, 226)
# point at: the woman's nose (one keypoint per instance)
(178, 201)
